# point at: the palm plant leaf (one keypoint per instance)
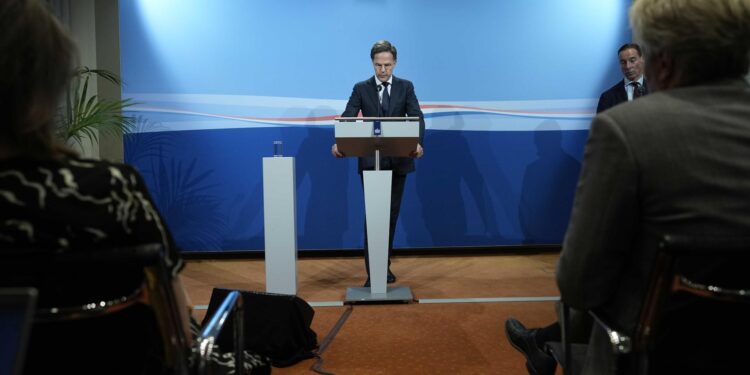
(89, 115)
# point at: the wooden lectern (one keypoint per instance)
(377, 136)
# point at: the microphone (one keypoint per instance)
(641, 90)
(380, 88)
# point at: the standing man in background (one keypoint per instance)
(633, 86)
(385, 95)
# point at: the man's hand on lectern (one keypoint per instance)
(418, 152)
(335, 151)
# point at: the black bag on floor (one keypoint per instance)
(276, 325)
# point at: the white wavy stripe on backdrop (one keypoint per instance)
(179, 112)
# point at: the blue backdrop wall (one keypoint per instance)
(508, 89)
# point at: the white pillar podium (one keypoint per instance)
(394, 136)
(378, 214)
(280, 225)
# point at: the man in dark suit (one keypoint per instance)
(385, 95)
(633, 85)
(674, 162)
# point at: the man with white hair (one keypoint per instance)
(676, 161)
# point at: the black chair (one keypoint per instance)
(108, 311)
(694, 280)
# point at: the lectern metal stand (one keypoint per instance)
(399, 137)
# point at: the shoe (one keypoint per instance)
(537, 361)
(391, 277)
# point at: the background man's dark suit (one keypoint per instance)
(403, 102)
(616, 95)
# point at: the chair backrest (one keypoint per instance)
(699, 290)
(102, 311)
(691, 272)
(16, 315)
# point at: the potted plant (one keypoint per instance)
(87, 115)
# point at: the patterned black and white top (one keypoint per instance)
(78, 204)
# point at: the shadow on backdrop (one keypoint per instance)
(439, 188)
(548, 188)
(326, 211)
(181, 190)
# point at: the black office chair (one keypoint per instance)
(693, 278)
(109, 311)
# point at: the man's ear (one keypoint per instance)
(664, 70)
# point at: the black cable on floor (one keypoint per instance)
(327, 340)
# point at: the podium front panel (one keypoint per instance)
(365, 147)
(398, 138)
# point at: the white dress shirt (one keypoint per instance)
(629, 87)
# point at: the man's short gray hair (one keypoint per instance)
(708, 40)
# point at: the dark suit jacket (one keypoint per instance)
(403, 103)
(674, 161)
(616, 95)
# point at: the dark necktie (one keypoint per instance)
(385, 102)
(636, 90)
